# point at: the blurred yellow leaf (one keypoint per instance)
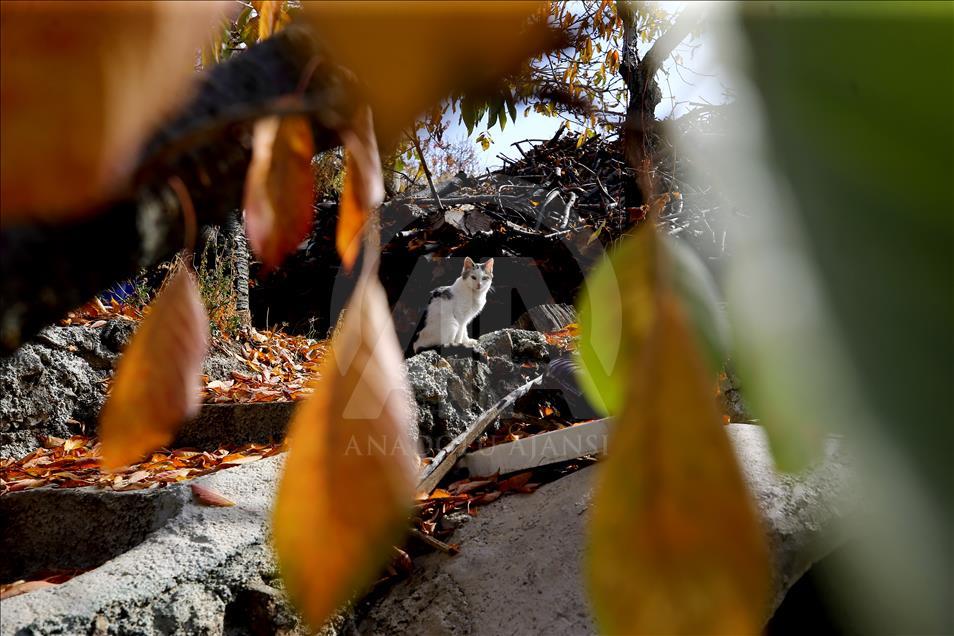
(675, 546)
(363, 186)
(617, 312)
(410, 55)
(279, 187)
(158, 380)
(350, 475)
(83, 84)
(270, 17)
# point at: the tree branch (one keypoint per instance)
(50, 269)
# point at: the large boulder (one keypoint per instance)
(51, 385)
(520, 569)
(56, 384)
(201, 570)
(172, 566)
(454, 386)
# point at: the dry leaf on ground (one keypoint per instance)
(208, 497)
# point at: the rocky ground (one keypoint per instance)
(189, 568)
(156, 561)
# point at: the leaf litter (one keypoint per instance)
(77, 462)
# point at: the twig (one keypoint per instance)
(427, 172)
(448, 456)
(434, 542)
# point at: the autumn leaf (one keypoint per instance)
(208, 497)
(158, 380)
(350, 475)
(270, 17)
(616, 309)
(279, 187)
(83, 85)
(363, 186)
(22, 587)
(411, 55)
(675, 546)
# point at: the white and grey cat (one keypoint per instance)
(452, 308)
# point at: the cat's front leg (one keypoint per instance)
(464, 339)
(460, 337)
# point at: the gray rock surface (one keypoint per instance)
(209, 570)
(453, 387)
(205, 570)
(55, 385)
(51, 384)
(519, 570)
(235, 423)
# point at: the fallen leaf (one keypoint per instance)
(279, 187)
(351, 470)
(516, 482)
(236, 459)
(77, 441)
(158, 380)
(22, 587)
(674, 546)
(208, 497)
(51, 442)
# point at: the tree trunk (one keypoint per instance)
(639, 128)
(235, 231)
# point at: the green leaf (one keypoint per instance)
(697, 290)
(512, 109)
(840, 295)
(615, 312)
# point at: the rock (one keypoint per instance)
(56, 381)
(55, 385)
(519, 570)
(235, 423)
(208, 570)
(547, 318)
(219, 365)
(203, 570)
(450, 390)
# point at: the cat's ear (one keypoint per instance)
(489, 266)
(468, 264)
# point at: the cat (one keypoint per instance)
(452, 308)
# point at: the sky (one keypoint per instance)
(680, 88)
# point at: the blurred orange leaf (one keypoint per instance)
(270, 17)
(279, 187)
(363, 187)
(158, 380)
(675, 546)
(208, 497)
(83, 84)
(411, 55)
(351, 470)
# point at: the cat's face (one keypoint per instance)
(478, 277)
